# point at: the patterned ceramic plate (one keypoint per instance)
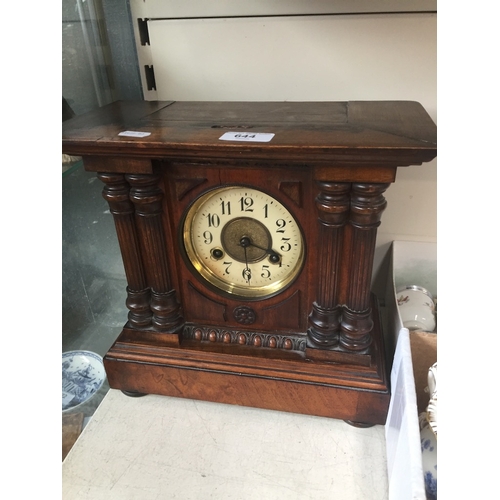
(82, 376)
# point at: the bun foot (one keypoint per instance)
(134, 394)
(361, 425)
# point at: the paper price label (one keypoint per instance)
(133, 133)
(247, 136)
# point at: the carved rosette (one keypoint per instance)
(253, 339)
(244, 315)
(367, 205)
(147, 198)
(116, 193)
(332, 204)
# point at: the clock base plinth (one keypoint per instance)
(338, 355)
(256, 377)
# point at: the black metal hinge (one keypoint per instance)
(150, 77)
(143, 31)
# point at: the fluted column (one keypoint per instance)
(116, 193)
(367, 205)
(147, 198)
(332, 204)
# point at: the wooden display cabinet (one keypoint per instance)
(247, 232)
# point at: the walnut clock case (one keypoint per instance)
(247, 231)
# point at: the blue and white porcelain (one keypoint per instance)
(428, 436)
(82, 376)
(428, 444)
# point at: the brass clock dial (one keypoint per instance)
(243, 241)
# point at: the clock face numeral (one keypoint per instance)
(213, 220)
(286, 247)
(226, 207)
(266, 273)
(243, 241)
(208, 237)
(246, 204)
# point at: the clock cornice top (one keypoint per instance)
(395, 133)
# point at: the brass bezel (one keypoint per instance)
(234, 290)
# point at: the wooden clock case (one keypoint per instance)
(317, 346)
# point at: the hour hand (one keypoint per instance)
(274, 257)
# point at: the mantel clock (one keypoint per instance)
(247, 232)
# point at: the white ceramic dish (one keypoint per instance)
(416, 308)
(82, 376)
(432, 412)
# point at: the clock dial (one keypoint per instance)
(243, 241)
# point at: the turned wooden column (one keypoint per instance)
(147, 198)
(332, 204)
(116, 193)
(367, 205)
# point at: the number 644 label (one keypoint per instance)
(247, 136)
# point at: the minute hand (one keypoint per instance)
(247, 274)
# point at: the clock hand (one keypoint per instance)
(247, 275)
(274, 257)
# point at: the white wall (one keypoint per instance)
(384, 56)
